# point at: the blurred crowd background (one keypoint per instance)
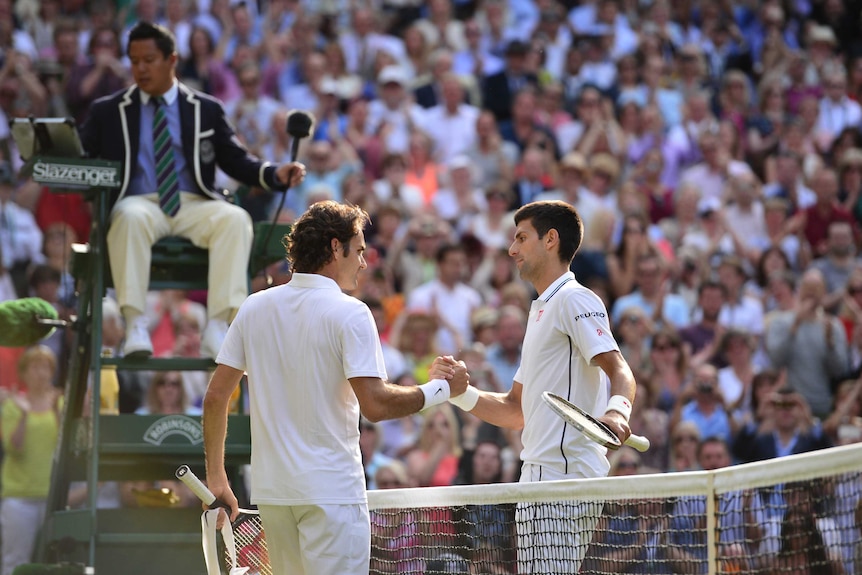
(712, 148)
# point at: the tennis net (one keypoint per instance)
(797, 514)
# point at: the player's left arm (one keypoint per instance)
(622, 384)
(586, 321)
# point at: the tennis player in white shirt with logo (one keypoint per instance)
(568, 350)
(314, 362)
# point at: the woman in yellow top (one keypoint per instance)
(30, 425)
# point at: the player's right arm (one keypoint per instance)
(224, 381)
(379, 400)
(500, 409)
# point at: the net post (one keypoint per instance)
(711, 527)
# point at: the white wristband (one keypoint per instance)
(620, 404)
(466, 400)
(436, 392)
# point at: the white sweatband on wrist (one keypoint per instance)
(436, 392)
(620, 404)
(466, 400)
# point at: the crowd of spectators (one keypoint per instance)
(713, 150)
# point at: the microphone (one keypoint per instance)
(299, 125)
(23, 322)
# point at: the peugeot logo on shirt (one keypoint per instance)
(589, 314)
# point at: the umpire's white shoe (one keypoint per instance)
(138, 344)
(213, 337)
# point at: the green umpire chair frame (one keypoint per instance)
(95, 448)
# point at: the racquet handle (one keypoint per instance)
(638, 442)
(187, 476)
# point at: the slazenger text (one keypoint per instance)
(65, 174)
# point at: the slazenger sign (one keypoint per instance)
(75, 175)
(174, 425)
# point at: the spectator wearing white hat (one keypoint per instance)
(393, 116)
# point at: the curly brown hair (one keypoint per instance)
(308, 243)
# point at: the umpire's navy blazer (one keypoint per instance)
(112, 130)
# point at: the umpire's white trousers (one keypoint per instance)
(21, 519)
(326, 539)
(137, 222)
(553, 539)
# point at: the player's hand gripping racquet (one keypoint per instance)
(589, 425)
(188, 477)
(250, 551)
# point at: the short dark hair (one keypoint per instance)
(309, 240)
(712, 284)
(42, 274)
(554, 214)
(712, 440)
(164, 38)
(446, 249)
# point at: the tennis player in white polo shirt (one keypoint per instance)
(314, 362)
(568, 350)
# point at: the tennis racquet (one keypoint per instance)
(589, 425)
(244, 540)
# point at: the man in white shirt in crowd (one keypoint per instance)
(393, 115)
(837, 110)
(449, 298)
(452, 123)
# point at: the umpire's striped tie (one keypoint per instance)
(166, 173)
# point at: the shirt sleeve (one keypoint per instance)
(585, 319)
(362, 355)
(232, 353)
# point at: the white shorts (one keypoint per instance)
(553, 539)
(20, 519)
(317, 539)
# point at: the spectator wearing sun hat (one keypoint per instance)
(392, 114)
(604, 174)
